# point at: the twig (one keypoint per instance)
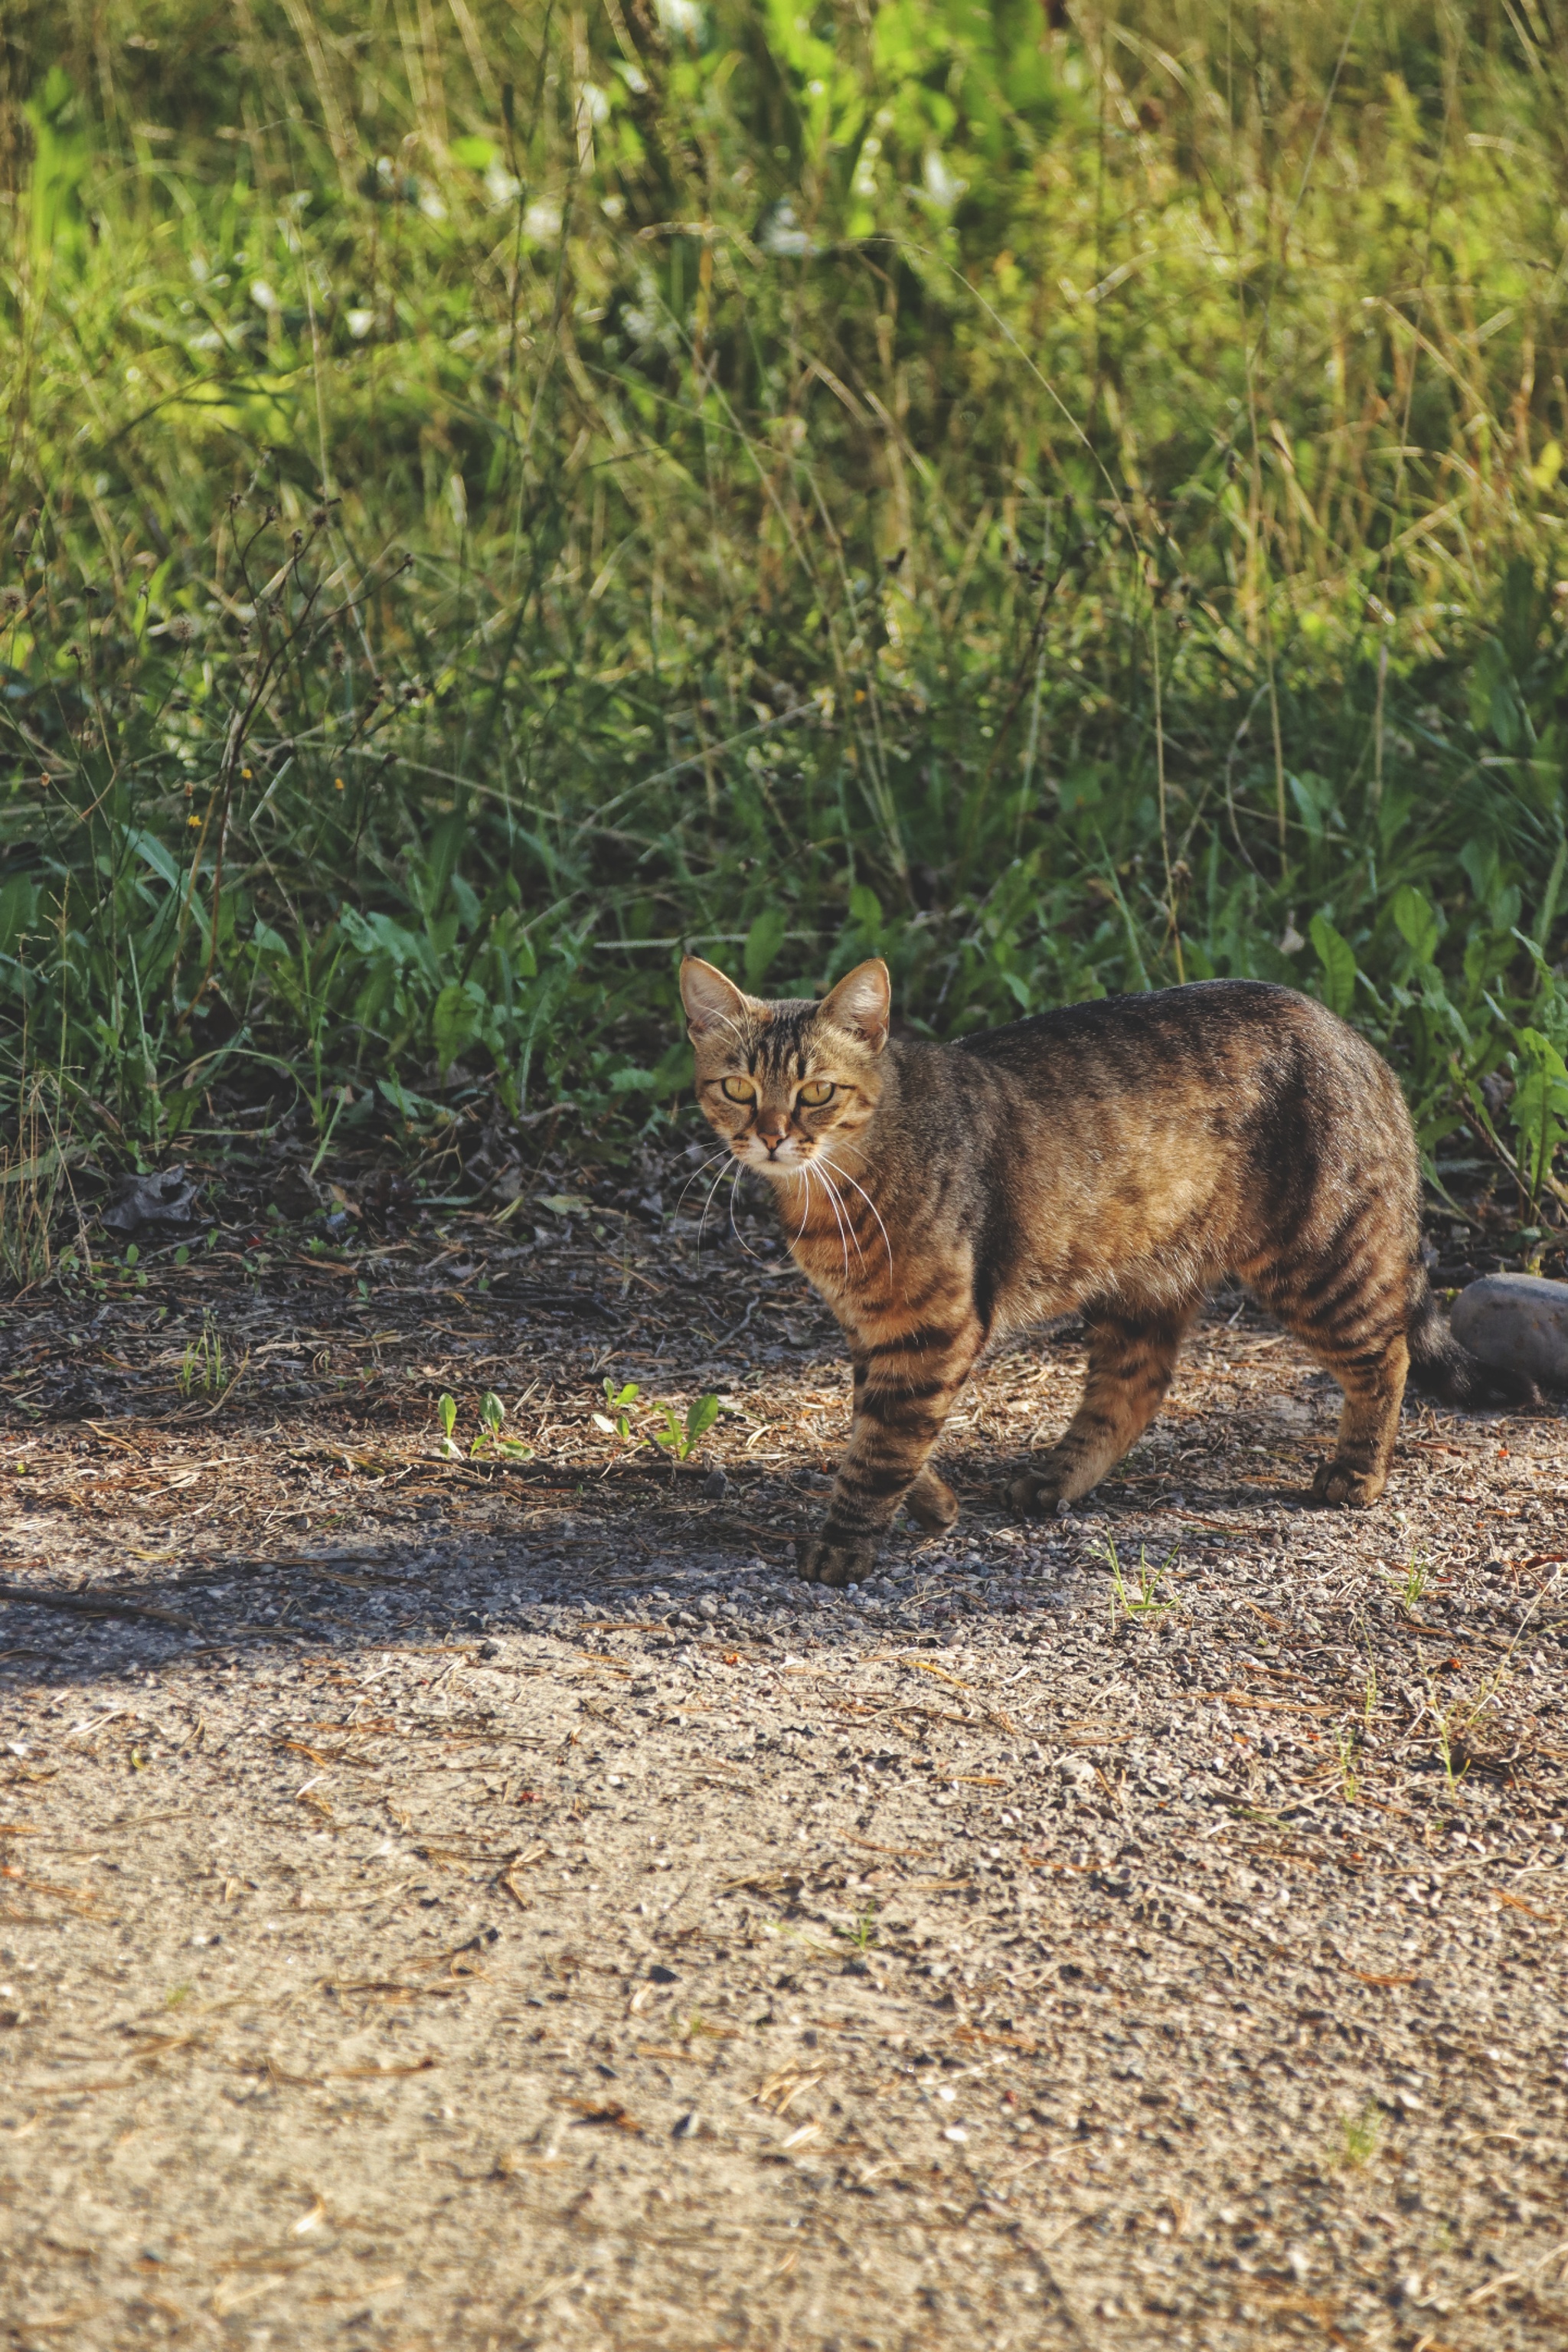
(78, 1604)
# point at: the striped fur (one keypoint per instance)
(1115, 1159)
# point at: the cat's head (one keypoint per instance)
(785, 1080)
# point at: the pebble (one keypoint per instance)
(1518, 1323)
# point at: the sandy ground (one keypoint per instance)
(491, 1902)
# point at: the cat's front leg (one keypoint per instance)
(904, 1390)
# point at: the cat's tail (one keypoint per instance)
(1443, 1367)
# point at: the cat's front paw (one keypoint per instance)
(1036, 1497)
(823, 1561)
(1342, 1487)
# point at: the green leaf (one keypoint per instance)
(1540, 1107)
(763, 941)
(1337, 957)
(1418, 921)
(866, 909)
(492, 1413)
(455, 1021)
(148, 847)
(405, 1102)
(447, 1409)
(699, 1419)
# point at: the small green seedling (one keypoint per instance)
(202, 1366)
(492, 1413)
(1349, 1779)
(1454, 1760)
(618, 1402)
(1359, 2133)
(680, 1443)
(863, 1934)
(1142, 1600)
(447, 1409)
(1457, 1724)
(1414, 1584)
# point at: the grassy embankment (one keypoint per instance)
(491, 495)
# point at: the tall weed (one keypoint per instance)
(1065, 507)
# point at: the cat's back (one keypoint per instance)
(1246, 1034)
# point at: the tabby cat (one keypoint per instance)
(1115, 1159)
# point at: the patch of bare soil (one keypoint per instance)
(488, 1902)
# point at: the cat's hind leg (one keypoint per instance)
(1373, 1385)
(1347, 1300)
(1130, 1359)
(931, 1502)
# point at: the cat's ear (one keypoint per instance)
(711, 1002)
(862, 1003)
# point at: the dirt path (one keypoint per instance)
(490, 1904)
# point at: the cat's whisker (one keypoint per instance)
(840, 1171)
(707, 1204)
(843, 1221)
(698, 1174)
(834, 1199)
(805, 1173)
(734, 1228)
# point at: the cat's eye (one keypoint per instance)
(739, 1090)
(812, 1096)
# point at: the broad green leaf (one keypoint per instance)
(763, 941)
(866, 909)
(1417, 922)
(455, 1021)
(1540, 1107)
(1337, 957)
(700, 1418)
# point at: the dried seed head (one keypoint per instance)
(182, 628)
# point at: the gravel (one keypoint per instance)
(509, 1909)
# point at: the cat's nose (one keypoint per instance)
(771, 1131)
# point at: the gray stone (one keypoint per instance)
(1517, 1323)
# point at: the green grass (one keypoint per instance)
(489, 497)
